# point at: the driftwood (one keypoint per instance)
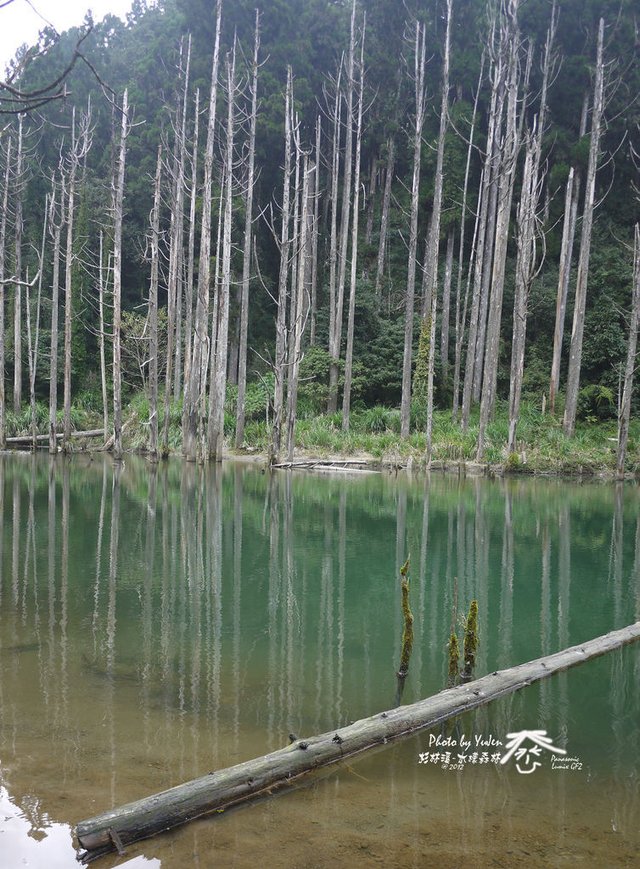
(44, 438)
(327, 465)
(224, 788)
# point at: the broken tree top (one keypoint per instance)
(224, 788)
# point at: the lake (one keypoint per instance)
(157, 623)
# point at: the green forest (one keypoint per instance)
(341, 225)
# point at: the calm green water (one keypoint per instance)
(159, 623)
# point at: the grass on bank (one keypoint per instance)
(542, 446)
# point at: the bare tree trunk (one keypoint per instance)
(335, 334)
(248, 235)
(446, 306)
(188, 299)
(215, 436)
(176, 248)
(575, 354)
(434, 243)
(153, 313)
(564, 269)
(195, 387)
(373, 176)
(281, 317)
(299, 315)
(55, 228)
(348, 363)
(461, 309)
(625, 407)
(384, 217)
(3, 238)
(314, 239)
(17, 297)
(420, 102)
(527, 220)
(508, 155)
(117, 280)
(68, 288)
(33, 339)
(102, 288)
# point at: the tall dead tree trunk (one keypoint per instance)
(384, 217)
(55, 228)
(348, 362)
(118, 200)
(33, 334)
(188, 297)
(195, 388)
(315, 235)
(248, 235)
(281, 316)
(103, 280)
(420, 104)
(215, 433)
(461, 306)
(575, 353)
(434, 241)
(153, 312)
(527, 222)
(17, 295)
(335, 326)
(79, 146)
(572, 195)
(300, 308)
(627, 391)
(3, 238)
(506, 175)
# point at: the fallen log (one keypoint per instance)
(44, 438)
(224, 788)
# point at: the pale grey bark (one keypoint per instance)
(118, 200)
(55, 229)
(193, 198)
(630, 367)
(315, 236)
(153, 312)
(300, 308)
(281, 316)
(335, 327)
(384, 217)
(507, 166)
(17, 293)
(3, 239)
(575, 354)
(445, 324)
(33, 336)
(528, 220)
(420, 104)
(103, 280)
(248, 236)
(434, 243)
(195, 388)
(215, 427)
(348, 363)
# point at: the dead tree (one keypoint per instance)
(420, 105)
(33, 333)
(315, 235)
(118, 198)
(335, 324)
(575, 353)
(572, 195)
(509, 47)
(153, 312)
(215, 427)
(281, 316)
(527, 232)
(348, 362)
(55, 228)
(19, 182)
(79, 147)
(248, 236)
(625, 405)
(384, 217)
(3, 238)
(191, 244)
(431, 264)
(195, 387)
